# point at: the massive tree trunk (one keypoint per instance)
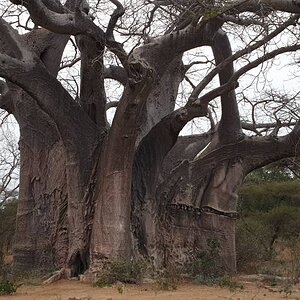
(91, 193)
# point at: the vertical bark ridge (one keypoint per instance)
(92, 92)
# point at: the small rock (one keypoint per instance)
(88, 277)
(74, 278)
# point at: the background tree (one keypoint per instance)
(9, 165)
(92, 192)
(268, 228)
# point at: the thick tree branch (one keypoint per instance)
(162, 50)
(262, 6)
(3, 87)
(118, 12)
(6, 101)
(114, 46)
(70, 23)
(229, 126)
(232, 82)
(254, 127)
(200, 87)
(199, 108)
(264, 150)
(16, 44)
(293, 138)
(111, 104)
(117, 73)
(159, 141)
(186, 148)
(243, 21)
(50, 96)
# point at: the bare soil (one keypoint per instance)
(75, 290)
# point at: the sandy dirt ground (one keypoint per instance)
(75, 290)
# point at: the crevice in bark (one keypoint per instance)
(78, 264)
(54, 177)
(81, 193)
(161, 101)
(92, 92)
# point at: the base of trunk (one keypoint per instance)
(189, 231)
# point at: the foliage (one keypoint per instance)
(5, 270)
(7, 287)
(257, 234)
(206, 267)
(262, 197)
(169, 279)
(287, 289)
(283, 222)
(294, 268)
(7, 224)
(120, 289)
(250, 249)
(122, 271)
(167, 283)
(269, 209)
(275, 172)
(229, 282)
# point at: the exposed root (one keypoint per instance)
(55, 276)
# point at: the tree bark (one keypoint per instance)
(90, 193)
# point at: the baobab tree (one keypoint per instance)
(91, 192)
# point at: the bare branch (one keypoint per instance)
(58, 106)
(254, 127)
(243, 21)
(200, 87)
(70, 64)
(231, 84)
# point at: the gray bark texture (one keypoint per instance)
(91, 193)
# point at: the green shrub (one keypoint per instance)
(256, 235)
(123, 271)
(269, 207)
(167, 282)
(7, 287)
(283, 222)
(206, 279)
(251, 244)
(263, 197)
(169, 279)
(229, 282)
(294, 264)
(8, 211)
(206, 266)
(4, 271)
(287, 289)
